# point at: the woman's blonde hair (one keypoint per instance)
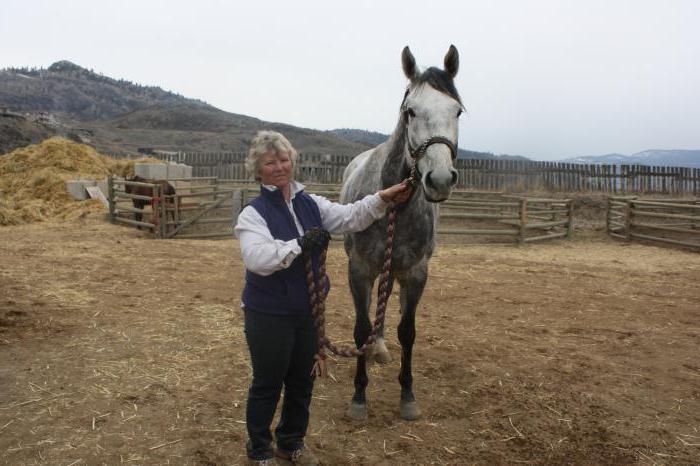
(267, 142)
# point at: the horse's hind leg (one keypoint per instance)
(361, 289)
(412, 286)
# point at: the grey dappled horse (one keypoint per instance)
(428, 121)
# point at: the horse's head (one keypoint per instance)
(430, 112)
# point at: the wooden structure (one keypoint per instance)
(520, 218)
(477, 213)
(121, 206)
(480, 174)
(207, 207)
(656, 220)
(200, 208)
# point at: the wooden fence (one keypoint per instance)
(489, 215)
(207, 207)
(200, 208)
(121, 205)
(482, 175)
(519, 218)
(655, 220)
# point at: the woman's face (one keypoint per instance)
(276, 169)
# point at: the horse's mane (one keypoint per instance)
(395, 169)
(438, 79)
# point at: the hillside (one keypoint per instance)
(669, 158)
(66, 88)
(372, 138)
(19, 131)
(116, 115)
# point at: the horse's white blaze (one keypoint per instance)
(436, 114)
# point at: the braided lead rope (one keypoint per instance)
(318, 303)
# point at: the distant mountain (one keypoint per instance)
(115, 115)
(69, 89)
(669, 158)
(372, 139)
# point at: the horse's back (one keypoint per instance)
(167, 188)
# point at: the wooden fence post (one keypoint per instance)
(176, 201)
(523, 221)
(155, 212)
(110, 195)
(628, 220)
(570, 225)
(163, 214)
(238, 196)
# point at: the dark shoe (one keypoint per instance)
(265, 462)
(300, 457)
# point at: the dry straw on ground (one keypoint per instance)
(32, 180)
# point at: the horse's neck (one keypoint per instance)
(395, 168)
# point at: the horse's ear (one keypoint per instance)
(452, 61)
(409, 64)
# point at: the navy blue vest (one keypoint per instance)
(285, 291)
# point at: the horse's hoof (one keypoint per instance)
(382, 356)
(379, 353)
(410, 411)
(357, 411)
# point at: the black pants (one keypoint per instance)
(282, 350)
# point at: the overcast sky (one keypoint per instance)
(546, 79)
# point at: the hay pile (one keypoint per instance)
(32, 180)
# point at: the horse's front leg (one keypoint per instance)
(412, 285)
(361, 289)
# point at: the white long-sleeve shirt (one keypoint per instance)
(262, 254)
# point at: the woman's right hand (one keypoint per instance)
(397, 194)
(314, 239)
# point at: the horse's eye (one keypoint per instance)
(459, 113)
(411, 113)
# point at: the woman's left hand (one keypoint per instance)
(397, 194)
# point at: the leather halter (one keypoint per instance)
(419, 152)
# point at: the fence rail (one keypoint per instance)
(480, 174)
(489, 214)
(476, 213)
(208, 208)
(200, 208)
(655, 220)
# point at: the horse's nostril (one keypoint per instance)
(429, 180)
(454, 177)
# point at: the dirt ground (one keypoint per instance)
(119, 349)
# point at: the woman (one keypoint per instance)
(275, 231)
